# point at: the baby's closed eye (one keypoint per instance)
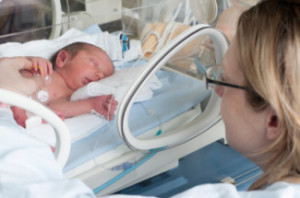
(94, 62)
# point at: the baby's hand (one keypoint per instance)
(16, 73)
(40, 66)
(105, 105)
(19, 115)
(59, 113)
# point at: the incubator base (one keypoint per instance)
(211, 164)
(159, 163)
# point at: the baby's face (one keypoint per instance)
(88, 66)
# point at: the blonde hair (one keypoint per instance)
(268, 36)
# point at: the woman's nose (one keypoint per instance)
(219, 90)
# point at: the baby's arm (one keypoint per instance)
(104, 105)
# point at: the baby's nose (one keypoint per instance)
(99, 75)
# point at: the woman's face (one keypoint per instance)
(245, 128)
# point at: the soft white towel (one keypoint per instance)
(118, 84)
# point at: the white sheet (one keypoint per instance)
(46, 48)
(44, 132)
(29, 169)
(79, 127)
(118, 84)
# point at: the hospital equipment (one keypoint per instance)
(146, 137)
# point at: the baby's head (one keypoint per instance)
(80, 63)
(76, 47)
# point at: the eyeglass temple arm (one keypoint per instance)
(227, 84)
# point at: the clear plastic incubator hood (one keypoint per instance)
(160, 51)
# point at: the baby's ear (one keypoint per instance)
(62, 58)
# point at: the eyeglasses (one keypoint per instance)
(214, 76)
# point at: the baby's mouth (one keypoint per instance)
(87, 81)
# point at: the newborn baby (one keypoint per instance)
(74, 66)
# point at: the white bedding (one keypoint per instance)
(118, 84)
(46, 48)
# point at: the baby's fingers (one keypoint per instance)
(111, 100)
(41, 66)
(111, 103)
(45, 67)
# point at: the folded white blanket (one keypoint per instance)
(118, 84)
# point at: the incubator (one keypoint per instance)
(161, 51)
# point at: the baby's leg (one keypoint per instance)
(19, 115)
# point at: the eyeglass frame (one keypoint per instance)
(217, 82)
